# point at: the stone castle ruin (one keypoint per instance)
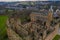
(36, 26)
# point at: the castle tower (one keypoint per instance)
(49, 17)
(50, 14)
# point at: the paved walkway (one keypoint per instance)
(59, 31)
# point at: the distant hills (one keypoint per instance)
(37, 2)
(20, 4)
(28, 5)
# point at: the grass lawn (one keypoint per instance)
(3, 33)
(57, 37)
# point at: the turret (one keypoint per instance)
(49, 17)
(50, 14)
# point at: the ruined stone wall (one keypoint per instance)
(34, 16)
(19, 29)
(27, 24)
(53, 34)
(12, 35)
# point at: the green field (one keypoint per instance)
(57, 37)
(3, 33)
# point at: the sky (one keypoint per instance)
(24, 0)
